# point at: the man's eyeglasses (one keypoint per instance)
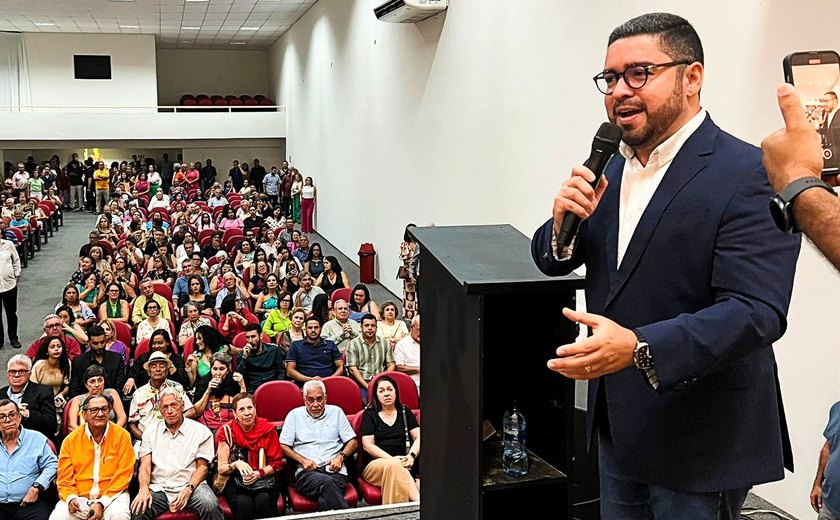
(11, 416)
(319, 399)
(635, 76)
(53, 326)
(18, 372)
(103, 410)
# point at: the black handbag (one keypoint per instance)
(241, 453)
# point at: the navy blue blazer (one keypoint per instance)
(707, 279)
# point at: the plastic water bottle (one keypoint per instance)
(514, 457)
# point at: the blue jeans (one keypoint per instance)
(625, 499)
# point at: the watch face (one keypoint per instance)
(777, 211)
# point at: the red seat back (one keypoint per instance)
(406, 386)
(341, 294)
(275, 399)
(123, 332)
(344, 393)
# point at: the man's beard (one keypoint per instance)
(658, 122)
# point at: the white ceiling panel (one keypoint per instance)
(164, 18)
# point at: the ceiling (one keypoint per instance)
(176, 24)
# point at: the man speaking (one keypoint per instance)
(688, 284)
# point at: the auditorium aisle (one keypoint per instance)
(39, 290)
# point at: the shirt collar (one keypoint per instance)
(165, 429)
(668, 149)
(90, 437)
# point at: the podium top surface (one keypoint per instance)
(488, 259)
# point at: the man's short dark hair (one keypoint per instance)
(315, 319)
(7, 402)
(95, 331)
(368, 316)
(252, 326)
(677, 37)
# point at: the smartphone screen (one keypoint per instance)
(816, 75)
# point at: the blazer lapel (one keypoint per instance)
(690, 160)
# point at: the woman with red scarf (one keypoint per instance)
(249, 453)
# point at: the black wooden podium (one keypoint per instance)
(489, 322)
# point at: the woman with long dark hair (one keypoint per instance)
(391, 444)
(315, 261)
(333, 276)
(160, 341)
(308, 194)
(52, 368)
(361, 304)
(215, 391)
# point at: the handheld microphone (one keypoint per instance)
(604, 145)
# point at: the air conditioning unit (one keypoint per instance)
(409, 11)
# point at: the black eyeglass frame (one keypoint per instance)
(623, 74)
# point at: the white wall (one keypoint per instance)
(270, 152)
(50, 62)
(210, 72)
(477, 116)
(117, 124)
(223, 156)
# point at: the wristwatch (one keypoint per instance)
(641, 354)
(38, 486)
(781, 205)
(191, 486)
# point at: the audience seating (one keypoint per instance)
(239, 339)
(341, 294)
(406, 386)
(164, 290)
(344, 393)
(123, 332)
(275, 399)
(22, 246)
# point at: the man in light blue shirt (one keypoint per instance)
(319, 438)
(27, 467)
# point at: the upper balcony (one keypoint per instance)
(170, 123)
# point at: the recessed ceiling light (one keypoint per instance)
(185, 41)
(237, 43)
(122, 0)
(130, 26)
(190, 28)
(43, 24)
(188, 1)
(249, 28)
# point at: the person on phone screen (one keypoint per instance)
(29, 466)
(793, 153)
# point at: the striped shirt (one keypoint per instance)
(369, 359)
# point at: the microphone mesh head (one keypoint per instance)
(610, 132)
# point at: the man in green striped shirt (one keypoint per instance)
(368, 355)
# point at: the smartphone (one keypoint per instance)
(816, 75)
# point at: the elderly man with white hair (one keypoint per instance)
(319, 438)
(175, 456)
(36, 402)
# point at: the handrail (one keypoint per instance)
(158, 108)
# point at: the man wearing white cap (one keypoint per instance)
(144, 409)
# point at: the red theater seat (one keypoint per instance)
(406, 387)
(275, 399)
(344, 393)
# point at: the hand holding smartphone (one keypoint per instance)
(816, 76)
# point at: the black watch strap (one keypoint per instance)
(796, 187)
